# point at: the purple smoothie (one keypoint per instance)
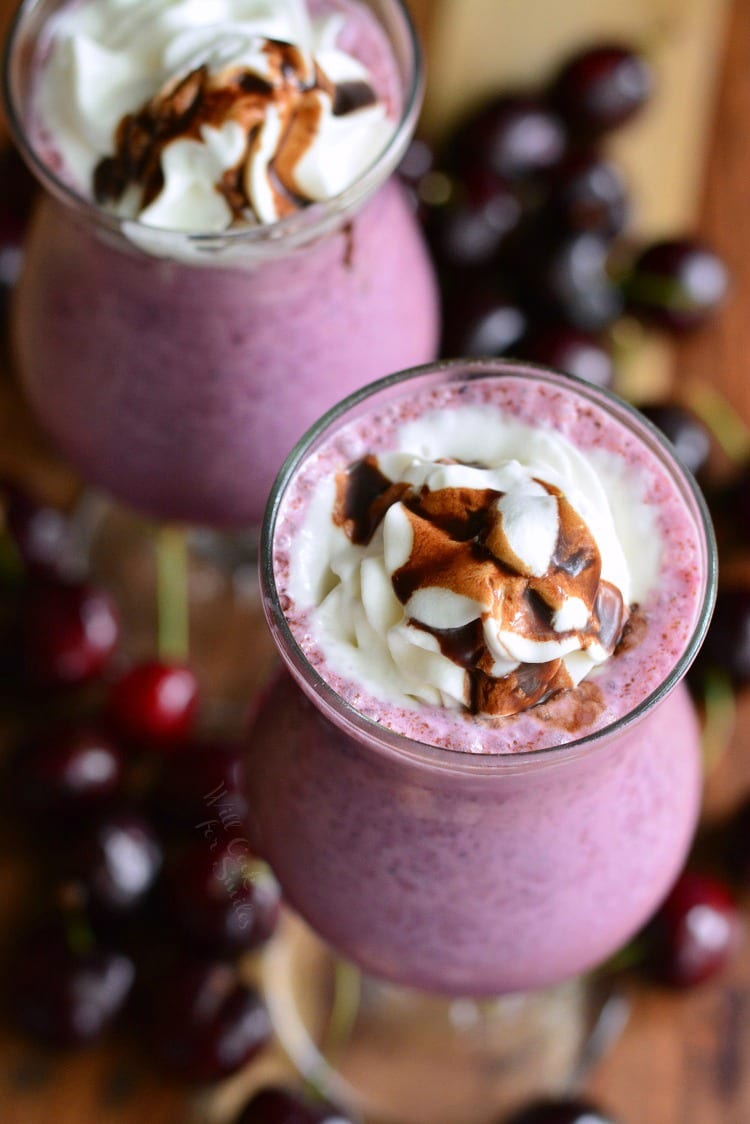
(180, 387)
(535, 858)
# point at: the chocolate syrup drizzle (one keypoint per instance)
(459, 544)
(238, 94)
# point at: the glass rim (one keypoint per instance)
(397, 745)
(304, 224)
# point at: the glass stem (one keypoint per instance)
(173, 608)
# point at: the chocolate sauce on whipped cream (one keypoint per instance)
(459, 545)
(233, 94)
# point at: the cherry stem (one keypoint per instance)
(719, 718)
(632, 955)
(721, 418)
(347, 990)
(79, 935)
(659, 291)
(173, 605)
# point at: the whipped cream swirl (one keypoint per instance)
(196, 116)
(485, 587)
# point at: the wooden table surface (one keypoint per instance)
(682, 1059)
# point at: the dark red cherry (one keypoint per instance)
(688, 434)
(11, 250)
(517, 137)
(418, 161)
(566, 277)
(471, 229)
(115, 863)
(727, 644)
(220, 894)
(70, 632)
(676, 284)
(204, 781)
(601, 88)
(695, 932)
(730, 507)
(156, 703)
(588, 192)
(62, 996)
(567, 1111)
(479, 321)
(41, 534)
(205, 1022)
(65, 771)
(579, 353)
(280, 1104)
(18, 191)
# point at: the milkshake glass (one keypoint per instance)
(511, 867)
(174, 369)
(512, 862)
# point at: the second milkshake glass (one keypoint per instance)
(176, 370)
(474, 874)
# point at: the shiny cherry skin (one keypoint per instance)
(471, 229)
(219, 894)
(480, 320)
(156, 703)
(727, 644)
(571, 350)
(65, 771)
(417, 162)
(676, 284)
(40, 534)
(601, 88)
(280, 1104)
(205, 1023)
(688, 434)
(115, 863)
(19, 188)
(696, 931)
(205, 780)
(566, 277)
(19, 192)
(70, 633)
(566, 1111)
(11, 252)
(416, 165)
(64, 997)
(516, 137)
(588, 192)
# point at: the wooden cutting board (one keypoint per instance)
(475, 47)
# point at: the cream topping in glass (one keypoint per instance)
(195, 116)
(487, 586)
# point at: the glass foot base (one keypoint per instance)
(391, 1054)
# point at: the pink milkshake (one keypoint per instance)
(178, 334)
(491, 773)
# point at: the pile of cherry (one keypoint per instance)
(527, 217)
(144, 895)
